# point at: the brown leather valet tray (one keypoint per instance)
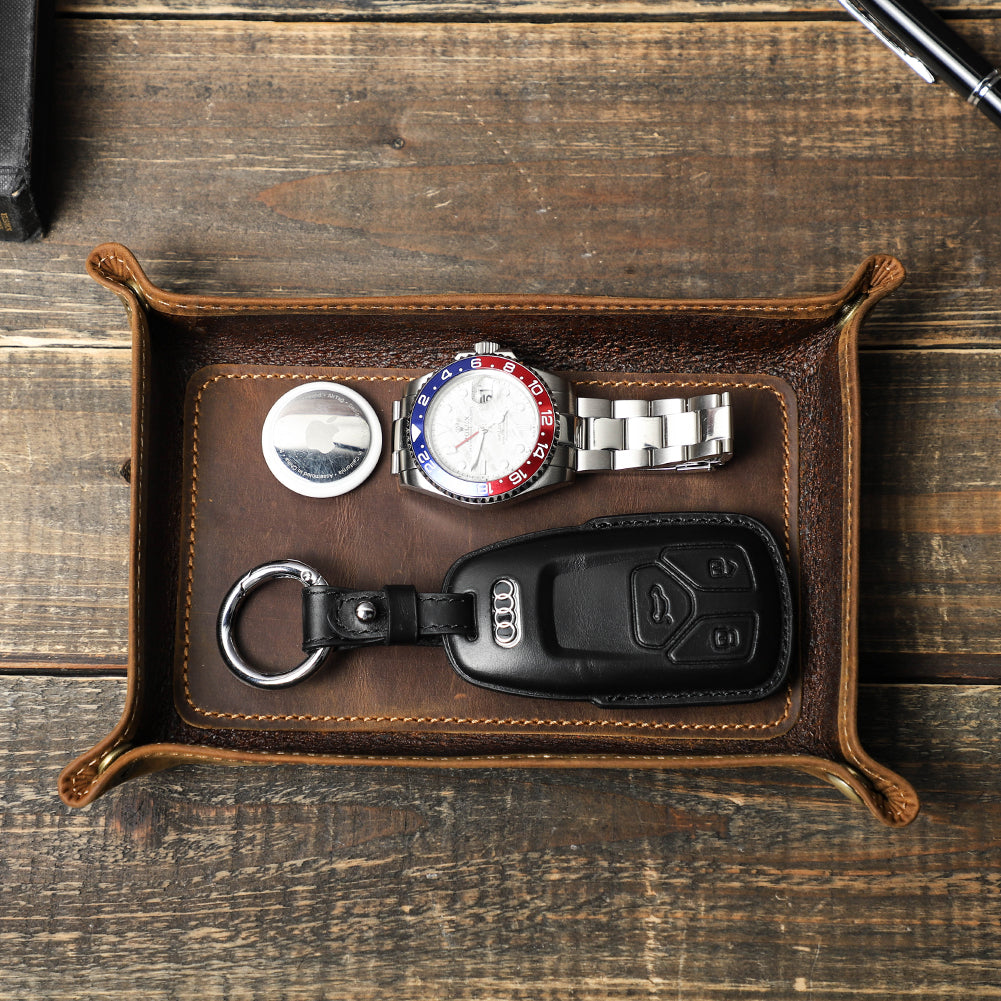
(206, 509)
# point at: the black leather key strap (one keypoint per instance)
(339, 619)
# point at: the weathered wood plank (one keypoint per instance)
(64, 436)
(358, 883)
(493, 10)
(931, 556)
(931, 552)
(724, 158)
(371, 158)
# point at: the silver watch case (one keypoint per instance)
(558, 469)
(591, 434)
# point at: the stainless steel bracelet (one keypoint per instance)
(675, 433)
(670, 434)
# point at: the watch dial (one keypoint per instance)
(482, 425)
(482, 428)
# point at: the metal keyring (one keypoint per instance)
(227, 617)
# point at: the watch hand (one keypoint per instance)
(467, 461)
(477, 462)
(495, 424)
(485, 429)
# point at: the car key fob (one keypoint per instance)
(650, 610)
(626, 611)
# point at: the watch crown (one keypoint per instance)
(486, 348)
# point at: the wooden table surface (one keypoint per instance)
(676, 148)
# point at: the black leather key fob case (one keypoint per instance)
(638, 610)
(632, 611)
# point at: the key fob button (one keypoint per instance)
(718, 639)
(712, 567)
(660, 605)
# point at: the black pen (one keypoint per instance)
(932, 49)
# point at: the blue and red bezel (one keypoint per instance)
(480, 491)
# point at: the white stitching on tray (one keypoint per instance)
(612, 724)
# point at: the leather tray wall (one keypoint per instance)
(205, 509)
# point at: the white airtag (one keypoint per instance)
(321, 439)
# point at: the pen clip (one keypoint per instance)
(893, 44)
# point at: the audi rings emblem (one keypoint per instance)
(505, 612)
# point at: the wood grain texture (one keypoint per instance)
(492, 10)
(931, 549)
(366, 883)
(64, 436)
(633, 147)
(592, 158)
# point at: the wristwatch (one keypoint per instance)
(488, 428)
